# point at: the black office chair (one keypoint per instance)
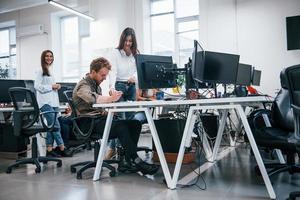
(292, 75)
(87, 134)
(71, 142)
(26, 117)
(280, 135)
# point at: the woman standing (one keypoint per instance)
(47, 98)
(123, 75)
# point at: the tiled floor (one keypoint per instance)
(231, 178)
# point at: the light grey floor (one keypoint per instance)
(231, 178)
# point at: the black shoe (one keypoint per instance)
(144, 167)
(126, 167)
(52, 154)
(57, 150)
(66, 153)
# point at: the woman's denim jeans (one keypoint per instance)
(51, 136)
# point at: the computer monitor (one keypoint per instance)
(64, 87)
(256, 75)
(155, 71)
(197, 67)
(220, 67)
(293, 32)
(244, 74)
(5, 84)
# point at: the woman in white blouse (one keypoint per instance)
(123, 75)
(47, 98)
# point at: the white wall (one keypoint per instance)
(111, 18)
(253, 29)
(29, 48)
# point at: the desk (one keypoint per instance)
(222, 104)
(11, 109)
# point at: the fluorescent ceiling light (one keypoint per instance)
(54, 3)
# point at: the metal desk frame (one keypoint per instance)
(221, 104)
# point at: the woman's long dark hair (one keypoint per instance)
(128, 32)
(44, 64)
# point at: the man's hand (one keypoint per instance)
(56, 86)
(111, 91)
(115, 95)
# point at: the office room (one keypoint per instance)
(149, 99)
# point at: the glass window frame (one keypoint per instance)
(177, 20)
(12, 68)
(81, 69)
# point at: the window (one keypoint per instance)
(76, 48)
(174, 27)
(8, 52)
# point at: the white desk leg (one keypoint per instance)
(190, 130)
(206, 147)
(103, 146)
(219, 135)
(158, 147)
(39, 141)
(258, 158)
(278, 151)
(187, 134)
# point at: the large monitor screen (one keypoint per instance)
(293, 32)
(220, 67)
(155, 71)
(64, 87)
(5, 84)
(256, 77)
(197, 62)
(244, 75)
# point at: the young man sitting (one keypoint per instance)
(88, 92)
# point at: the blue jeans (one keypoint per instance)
(141, 117)
(51, 136)
(129, 94)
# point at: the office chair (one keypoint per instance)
(86, 134)
(279, 136)
(26, 116)
(71, 143)
(292, 75)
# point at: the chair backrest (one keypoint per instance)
(26, 111)
(82, 126)
(281, 109)
(292, 75)
(68, 94)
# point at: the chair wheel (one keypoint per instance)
(112, 173)
(59, 164)
(37, 170)
(8, 171)
(73, 170)
(79, 176)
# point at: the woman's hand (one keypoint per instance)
(56, 86)
(131, 80)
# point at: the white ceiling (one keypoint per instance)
(13, 5)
